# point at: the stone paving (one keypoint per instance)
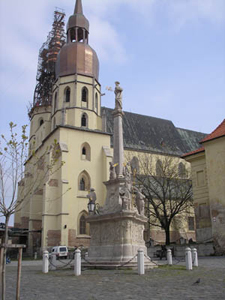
(162, 283)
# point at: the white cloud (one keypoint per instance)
(107, 42)
(182, 12)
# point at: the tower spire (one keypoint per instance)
(78, 7)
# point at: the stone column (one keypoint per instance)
(118, 157)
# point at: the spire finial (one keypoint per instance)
(78, 7)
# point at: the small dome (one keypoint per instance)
(78, 20)
(77, 58)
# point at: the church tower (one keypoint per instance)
(66, 111)
(77, 92)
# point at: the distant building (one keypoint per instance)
(208, 177)
(83, 130)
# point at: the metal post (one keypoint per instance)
(45, 262)
(53, 262)
(19, 274)
(141, 263)
(169, 257)
(194, 257)
(188, 259)
(77, 263)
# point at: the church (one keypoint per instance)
(72, 116)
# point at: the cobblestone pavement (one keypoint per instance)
(162, 283)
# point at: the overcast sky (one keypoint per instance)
(169, 56)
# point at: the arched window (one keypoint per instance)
(67, 94)
(159, 168)
(55, 102)
(84, 181)
(82, 225)
(96, 102)
(82, 184)
(84, 120)
(84, 97)
(72, 35)
(85, 152)
(41, 122)
(181, 170)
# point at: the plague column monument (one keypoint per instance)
(117, 231)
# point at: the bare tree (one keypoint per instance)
(21, 176)
(167, 189)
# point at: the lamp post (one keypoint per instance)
(91, 207)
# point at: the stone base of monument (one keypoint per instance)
(115, 240)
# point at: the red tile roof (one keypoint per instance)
(202, 149)
(218, 132)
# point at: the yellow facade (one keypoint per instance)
(208, 177)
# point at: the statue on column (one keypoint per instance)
(118, 93)
(140, 201)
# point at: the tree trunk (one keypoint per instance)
(167, 231)
(4, 258)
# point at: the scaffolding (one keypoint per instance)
(47, 60)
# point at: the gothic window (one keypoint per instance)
(181, 170)
(55, 102)
(67, 94)
(159, 168)
(191, 223)
(82, 184)
(96, 102)
(84, 120)
(84, 181)
(84, 96)
(82, 225)
(84, 151)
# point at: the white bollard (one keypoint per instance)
(53, 262)
(141, 262)
(35, 255)
(194, 257)
(188, 259)
(86, 255)
(169, 257)
(77, 263)
(45, 262)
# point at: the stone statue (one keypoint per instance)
(92, 196)
(126, 172)
(118, 93)
(112, 171)
(140, 201)
(124, 192)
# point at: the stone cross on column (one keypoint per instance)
(118, 156)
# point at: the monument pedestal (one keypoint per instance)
(115, 240)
